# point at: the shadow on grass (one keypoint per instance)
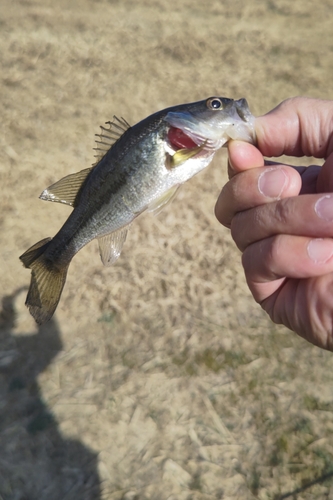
(318, 480)
(35, 460)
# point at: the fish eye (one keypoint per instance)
(214, 103)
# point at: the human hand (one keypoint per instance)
(286, 239)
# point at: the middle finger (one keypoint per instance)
(306, 215)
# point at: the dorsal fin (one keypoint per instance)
(67, 189)
(109, 135)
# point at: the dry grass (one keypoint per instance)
(159, 378)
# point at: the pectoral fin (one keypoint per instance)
(157, 205)
(110, 245)
(67, 189)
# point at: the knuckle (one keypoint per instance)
(224, 207)
(240, 227)
(264, 257)
(236, 227)
(282, 212)
(291, 102)
(274, 250)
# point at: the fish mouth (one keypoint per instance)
(242, 109)
(178, 139)
(241, 114)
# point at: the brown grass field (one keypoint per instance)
(158, 378)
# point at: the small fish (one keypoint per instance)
(138, 168)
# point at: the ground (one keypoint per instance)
(158, 378)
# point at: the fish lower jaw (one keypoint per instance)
(241, 132)
(209, 147)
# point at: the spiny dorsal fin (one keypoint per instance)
(67, 189)
(109, 135)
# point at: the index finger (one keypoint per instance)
(297, 127)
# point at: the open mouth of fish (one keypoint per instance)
(179, 140)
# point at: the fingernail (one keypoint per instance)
(324, 207)
(320, 250)
(272, 182)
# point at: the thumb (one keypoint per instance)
(243, 156)
(297, 127)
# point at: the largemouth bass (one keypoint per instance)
(138, 168)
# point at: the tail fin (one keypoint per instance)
(47, 282)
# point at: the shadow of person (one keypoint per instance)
(36, 462)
